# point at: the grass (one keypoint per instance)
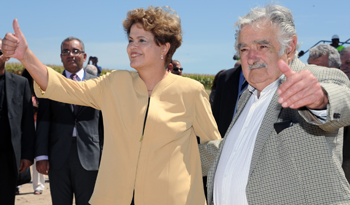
(206, 80)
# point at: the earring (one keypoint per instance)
(161, 57)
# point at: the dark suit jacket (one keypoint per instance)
(20, 115)
(225, 98)
(55, 123)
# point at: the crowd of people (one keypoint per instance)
(274, 130)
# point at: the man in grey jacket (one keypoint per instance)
(281, 145)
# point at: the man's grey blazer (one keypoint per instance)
(302, 163)
(55, 124)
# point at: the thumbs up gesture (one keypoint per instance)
(300, 89)
(15, 45)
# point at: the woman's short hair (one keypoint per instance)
(163, 23)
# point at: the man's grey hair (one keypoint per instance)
(278, 16)
(71, 38)
(345, 51)
(322, 49)
(91, 69)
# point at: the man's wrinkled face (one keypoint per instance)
(345, 64)
(320, 61)
(259, 51)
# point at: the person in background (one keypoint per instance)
(94, 61)
(175, 67)
(17, 130)
(345, 67)
(151, 117)
(213, 87)
(38, 179)
(324, 55)
(345, 61)
(69, 137)
(91, 69)
(229, 87)
(335, 43)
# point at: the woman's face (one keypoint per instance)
(142, 50)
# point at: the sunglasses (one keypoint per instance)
(74, 52)
(0, 53)
(177, 69)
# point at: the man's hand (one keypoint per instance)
(43, 166)
(300, 89)
(24, 165)
(15, 45)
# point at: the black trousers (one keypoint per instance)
(71, 179)
(8, 176)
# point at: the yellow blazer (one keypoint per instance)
(164, 167)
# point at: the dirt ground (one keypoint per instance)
(26, 195)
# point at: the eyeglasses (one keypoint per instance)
(177, 69)
(74, 52)
(0, 53)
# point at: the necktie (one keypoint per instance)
(76, 107)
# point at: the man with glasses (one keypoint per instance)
(69, 137)
(175, 67)
(16, 130)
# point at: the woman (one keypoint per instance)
(151, 117)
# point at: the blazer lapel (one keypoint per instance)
(70, 106)
(265, 129)
(211, 173)
(270, 118)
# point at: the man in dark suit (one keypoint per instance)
(69, 137)
(16, 130)
(230, 84)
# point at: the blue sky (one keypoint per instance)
(208, 39)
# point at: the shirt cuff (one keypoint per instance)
(320, 114)
(41, 157)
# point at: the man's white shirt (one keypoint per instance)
(232, 172)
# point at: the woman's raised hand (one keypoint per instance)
(15, 45)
